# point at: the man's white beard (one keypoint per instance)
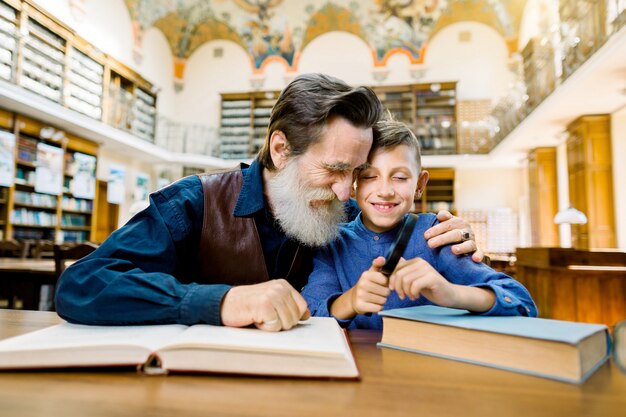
(290, 200)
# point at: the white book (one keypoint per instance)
(315, 348)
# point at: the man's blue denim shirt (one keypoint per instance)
(145, 271)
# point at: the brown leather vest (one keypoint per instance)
(230, 247)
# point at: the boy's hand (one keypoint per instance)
(452, 229)
(417, 277)
(370, 293)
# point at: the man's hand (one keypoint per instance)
(274, 305)
(368, 295)
(452, 229)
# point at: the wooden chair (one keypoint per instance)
(42, 249)
(13, 249)
(69, 252)
(63, 253)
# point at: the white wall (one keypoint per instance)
(540, 18)
(488, 188)
(105, 24)
(618, 142)
(206, 76)
(479, 66)
(343, 55)
(158, 68)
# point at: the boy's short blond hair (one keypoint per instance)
(389, 133)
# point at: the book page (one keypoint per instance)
(314, 337)
(66, 335)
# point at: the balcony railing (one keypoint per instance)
(185, 138)
(585, 27)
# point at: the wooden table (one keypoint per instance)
(393, 383)
(575, 285)
(21, 280)
(27, 266)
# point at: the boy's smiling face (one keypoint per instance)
(387, 185)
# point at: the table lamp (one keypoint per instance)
(570, 216)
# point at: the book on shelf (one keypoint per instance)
(316, 348)
(561, 350)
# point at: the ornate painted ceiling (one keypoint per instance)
(279, 30)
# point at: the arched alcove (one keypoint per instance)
(216, 66)
(472, 54)
(341, 54)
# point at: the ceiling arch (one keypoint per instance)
(278, 30)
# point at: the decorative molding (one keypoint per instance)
(274, 29)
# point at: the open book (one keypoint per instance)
(562, 350)
(317, 347)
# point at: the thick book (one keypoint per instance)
(561, 350)
(316, 348)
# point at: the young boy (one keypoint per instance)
(346, 282)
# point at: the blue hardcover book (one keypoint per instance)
(561, 350)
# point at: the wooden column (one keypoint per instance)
(589, 162)
(542, 179)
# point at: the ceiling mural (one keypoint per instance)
(279, 30)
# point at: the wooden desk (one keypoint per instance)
(575, 285)
(393, 383)
(21, 279)
(27, 266)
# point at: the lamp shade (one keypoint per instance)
(570, 216)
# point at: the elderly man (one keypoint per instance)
(234, 247)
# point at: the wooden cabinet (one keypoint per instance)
(429, 109)
(589, 161)
(130, 104)
(6, 128)
(245, 118)
(43, 56)
(439, 193)
(32, 211)
(539, 70)
(542, 190)
(8, 40)
(575, 285)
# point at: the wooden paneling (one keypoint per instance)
(6, 119)
(575, 285)
(106, 215)
(439, 193)
(542, 181)
(589, 160)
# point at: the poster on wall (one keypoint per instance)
(142, 187)
(115, 187)
(140, 195)
(7, 158)
(83, 184)
(162, 183)
(49, 172)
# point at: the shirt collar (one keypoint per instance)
(388, 236)
(251, 198)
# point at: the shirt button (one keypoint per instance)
(376, 237)
(507, 299)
